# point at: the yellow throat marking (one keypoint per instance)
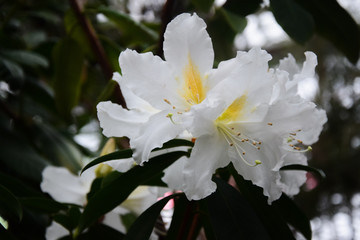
(234, 112)
(193, 87)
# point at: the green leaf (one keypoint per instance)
(4, 234)
(177, 220)
(127, 153)
(293, 215)
(336, 25)
(203, 5)
(231, 215)
(144, 224)
(273, 222)
(26, 58)
(131, 30)
(9, 204)
(299, 167)
(242, 7)
(236, 22)
(15, 69)
(121, 154)
(115, 192)
(296, 21)
(42, 205)
(98, 231)
(70, 220)
(68, 63)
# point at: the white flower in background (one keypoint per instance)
(65, 187)
(242, 112)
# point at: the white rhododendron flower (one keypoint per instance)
(63, 186)
(241, 112)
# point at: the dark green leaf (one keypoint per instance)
(176, 143)
(17, 187)
(203, 5)
(9, 204)
(68, 64)
(237, 23)
(177, 220)
(4, 234)
(299, 167)
(26, 58)
(121, 154)
(293, 215)
(296, 21)
(127, 153)
(98, 231)
(336, 25)
(115, 192)
(15, 69)
(144, 224)
(242, 7)
(273, 222)
(42, 205)
(69, 220)
(232, 216)
(131, 30)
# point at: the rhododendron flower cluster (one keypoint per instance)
(241, 112)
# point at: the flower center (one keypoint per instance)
(238, 141)
(234, 112)
(193, 87)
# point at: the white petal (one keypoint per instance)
(55, 231)
(150, 78)
(186, 37)
(154, 133)
(289, 116)
(265, 175)
(139, 200)
(113, 220)
(208, 154)
(292, 180)
(132, 101)
(63, 186)
(173, 176)
(247, 74)
(118, 122)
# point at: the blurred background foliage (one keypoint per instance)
(57, 59)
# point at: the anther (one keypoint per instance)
(270, 124)
(231, 144)
(299, 141)
(173, 107)
(167, 101)
(257, 162)
(258, 148)
(293, 134)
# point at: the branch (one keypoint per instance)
(96, 46)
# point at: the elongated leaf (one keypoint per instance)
(273, 222)
(15, 69)
(336, 25)
(121, 154)
(295, 20)
(4, 234)
(242, 7)
(115, 192)
(297, 167)
(177, 220)
(68, 63)
(144, 224)
(26, 58)
(131, 30)
(203, 5)
(42, 205)
(232, 216)
(293, 215)
(127, 153)
(9, 204)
